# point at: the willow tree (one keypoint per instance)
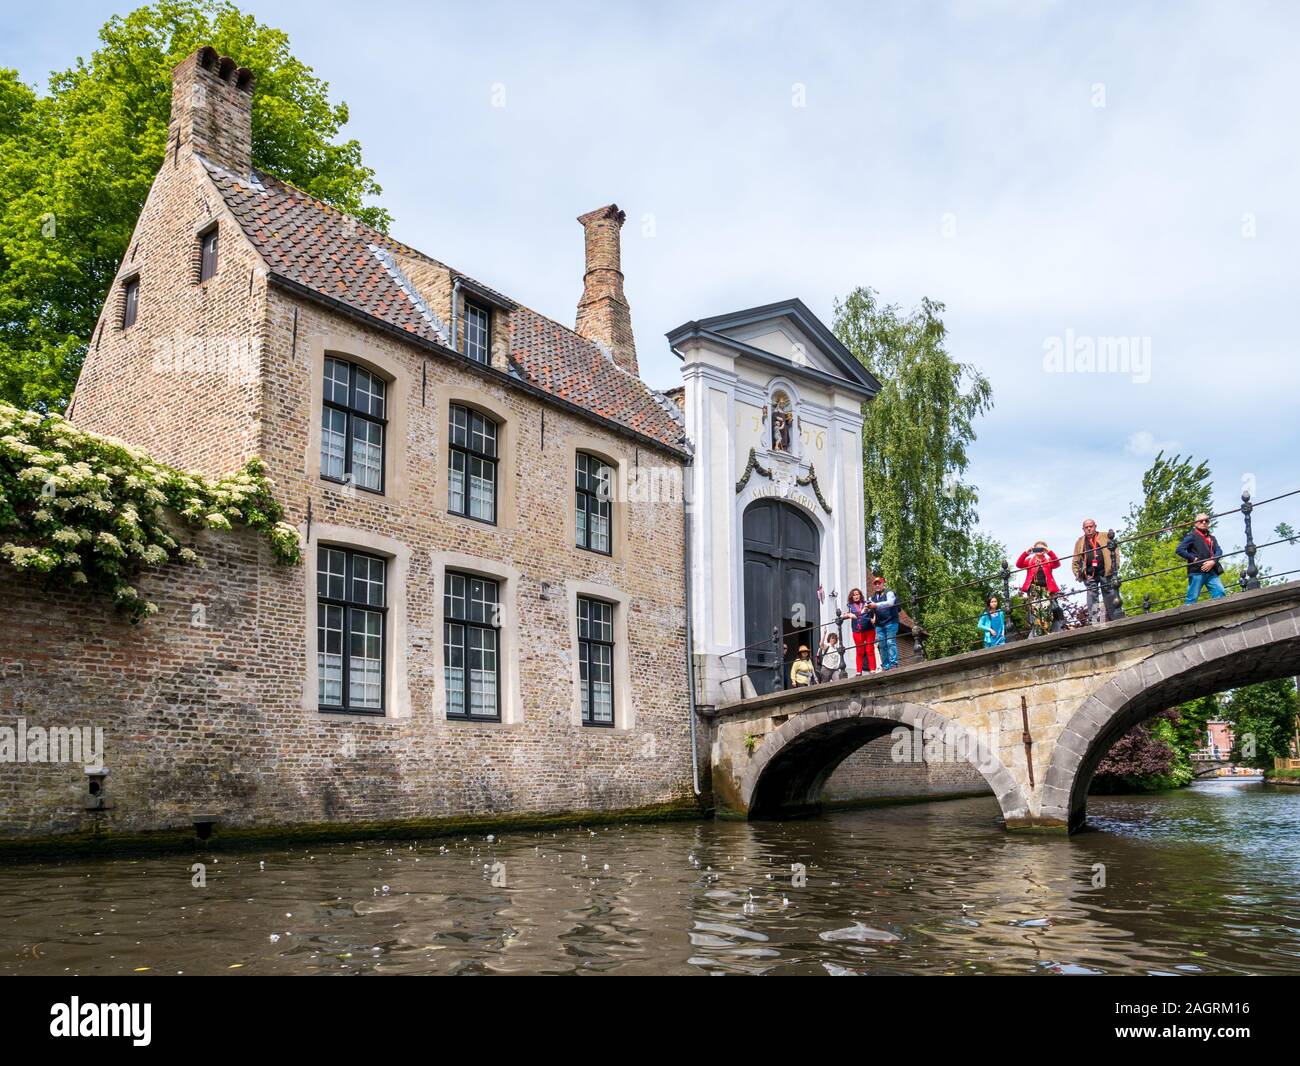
(920, 514)
(76, 164)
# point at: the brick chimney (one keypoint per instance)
(603, 314)
(212, 110)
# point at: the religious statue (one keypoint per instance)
(781, 422)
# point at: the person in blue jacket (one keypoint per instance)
(1202, 551)
(993, 624)
(884, 612)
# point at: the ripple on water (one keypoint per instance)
(1198, 881)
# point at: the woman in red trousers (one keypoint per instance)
(864, 635)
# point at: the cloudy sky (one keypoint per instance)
(1057, 174)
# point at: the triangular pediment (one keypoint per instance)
(788, 332)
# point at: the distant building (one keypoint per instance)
(1218, 739)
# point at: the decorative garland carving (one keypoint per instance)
(811, 479)
(750, 467)
(754, 466)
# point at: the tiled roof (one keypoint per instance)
(338, 256)
(569, 366)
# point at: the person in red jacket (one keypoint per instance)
(1040, 587)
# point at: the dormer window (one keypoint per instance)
(478, 333)
(130, 302)
(207, 254)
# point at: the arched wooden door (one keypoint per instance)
(782, 553)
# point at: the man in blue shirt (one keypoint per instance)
(884, 608)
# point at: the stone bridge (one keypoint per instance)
(1080, 690)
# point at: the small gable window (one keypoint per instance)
(478, 333)
(208, 254)
(130, 302)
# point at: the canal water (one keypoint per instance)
(1201, 881)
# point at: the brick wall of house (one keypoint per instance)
(182, 382)
(217, 719)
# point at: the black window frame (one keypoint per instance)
(585, 644)
(208, 252)
(480, 309)
(130, 302)
(467, 622)
(348, 604)
(588, 502)
(352, 413)
(470, 453)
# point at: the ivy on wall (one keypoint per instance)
(83, 509)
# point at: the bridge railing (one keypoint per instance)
(1109, 589)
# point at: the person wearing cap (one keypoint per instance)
(1094, 564)
(884, 612)
(802, 670)
(1038, 563)
(1202, 551)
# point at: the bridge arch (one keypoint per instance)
(786, 774)
(1262, 649)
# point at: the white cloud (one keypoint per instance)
(1144, 444)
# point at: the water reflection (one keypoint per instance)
(1199, 881)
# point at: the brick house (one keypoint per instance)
(478, 629)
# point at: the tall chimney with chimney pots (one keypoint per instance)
(603, 313)
(212, 110)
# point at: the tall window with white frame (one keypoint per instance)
(478, 333)
(351, 622)
(596, 660)
(353, 425)
(593, 524)
(472, 481)
(472, 647)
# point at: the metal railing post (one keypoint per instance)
(1115, 580)
(1005, 574)
(1250, 580)
(777, 667)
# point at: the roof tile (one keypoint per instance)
(334, 254)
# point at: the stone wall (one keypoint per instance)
(1078, 691)
(872, 773)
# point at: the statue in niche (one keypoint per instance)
(782, 421)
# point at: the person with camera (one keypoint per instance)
(1094, 562)
(830, 659)
(1040, 587)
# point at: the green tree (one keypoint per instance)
(77, 163)
(920, 516)
(950, 614)
(1263, 720)
(1173, 491)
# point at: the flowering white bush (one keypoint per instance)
(85, 509)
